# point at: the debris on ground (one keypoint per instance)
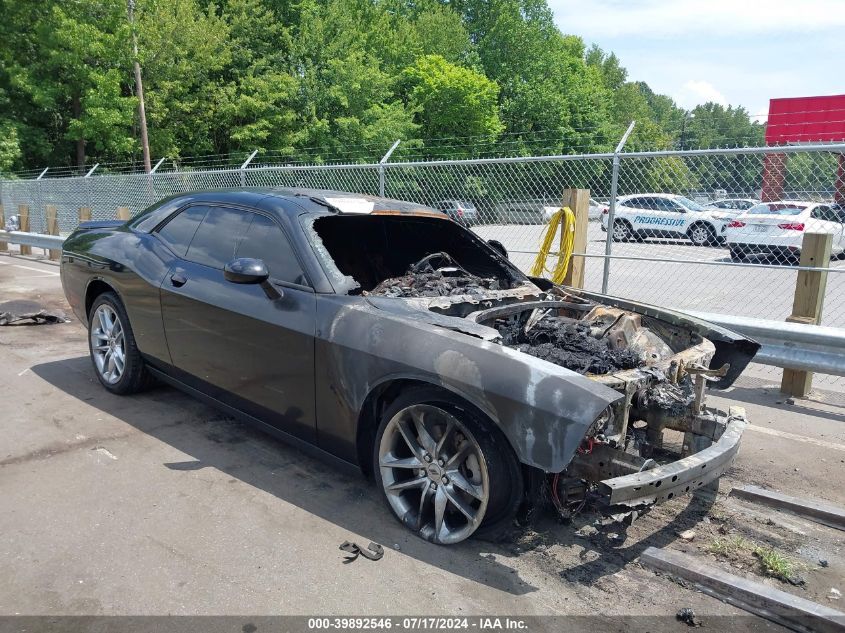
(823, 562)
(569, 345)
(374, 551)
(686, 535)
(12, 312)
(834, 594)
(586, 532)
(688, 616)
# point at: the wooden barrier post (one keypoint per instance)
(51, 213)
(808, 302)
(23, 215)
(3, 246)
(579, 201)
(123, 213)
(84, 214)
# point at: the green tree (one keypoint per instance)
(452, 101)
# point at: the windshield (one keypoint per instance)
(777, 208)
(692, 205)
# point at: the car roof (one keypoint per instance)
(283, 201)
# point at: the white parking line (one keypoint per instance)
(47, 273)
(797, 438)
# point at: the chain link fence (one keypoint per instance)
(685, 229)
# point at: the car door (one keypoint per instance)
(673, 218)
(637, 210)
(251, 346)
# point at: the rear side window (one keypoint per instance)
(216, 240)
(266, 241)
(179, 231)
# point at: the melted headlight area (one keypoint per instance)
(661, 370)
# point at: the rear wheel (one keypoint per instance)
(446, 473)
(622, 231)
(111, 343)
(702, 235)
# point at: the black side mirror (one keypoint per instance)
(497, 245)
(245, 270)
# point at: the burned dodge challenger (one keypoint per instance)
(385, 336)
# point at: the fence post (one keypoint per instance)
(611, 212)
(84, 214)
(23, 216)
(51, 215)
(808, 303)
(579, 201)
(381, 163)
(244, 166)
(3, 246)
(123, 213)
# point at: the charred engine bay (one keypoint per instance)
(564, 341)
(436, 275)
(569, 345)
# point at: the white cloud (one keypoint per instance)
(670, 18)
(694, 92)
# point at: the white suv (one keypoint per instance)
(644, 215)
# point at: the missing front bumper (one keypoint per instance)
(640, 490)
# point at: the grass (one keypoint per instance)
(728, 547)
(775, 564)
(771, 562)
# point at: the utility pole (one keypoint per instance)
(139, 89)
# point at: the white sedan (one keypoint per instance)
(665, 215)
(777, 228)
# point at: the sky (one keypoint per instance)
(737, 52)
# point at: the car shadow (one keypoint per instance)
(213, 440)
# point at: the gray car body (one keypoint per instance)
(362, 347)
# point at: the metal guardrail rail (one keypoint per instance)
(814, 348)
(38, 240)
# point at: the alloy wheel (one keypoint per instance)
(700, 236)
(107, 344)
(434, 473)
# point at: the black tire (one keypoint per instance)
(134, 377)
(506, 488)
(622, 231)
(737, 254)
(702, 235)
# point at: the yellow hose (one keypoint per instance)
(567, 241)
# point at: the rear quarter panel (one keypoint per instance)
(133, 265)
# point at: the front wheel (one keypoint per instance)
(444, 473)
(111, 343)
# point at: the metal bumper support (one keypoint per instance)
(680, 477)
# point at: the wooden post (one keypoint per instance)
(23, 214)
(123, 213)
(52, 215)
(3, 246)
(84, 214)
(579, 201)
(808, 303)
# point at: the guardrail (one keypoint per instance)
(812, 348)
(38, 240)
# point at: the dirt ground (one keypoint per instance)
(157, 504)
